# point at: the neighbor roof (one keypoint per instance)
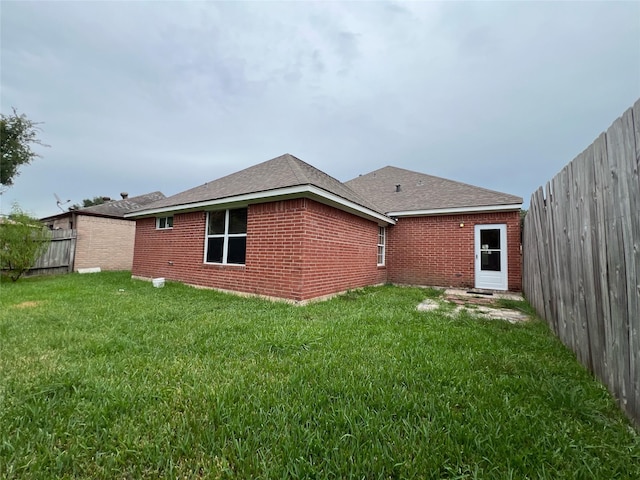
(397, 190)
(275, 175)
(116, 208)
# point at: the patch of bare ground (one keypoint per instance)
(28, 304)
(479, 305)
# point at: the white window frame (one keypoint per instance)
(382, 241)
(166, 223)
(226, 235)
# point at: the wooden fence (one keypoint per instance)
(581, 249)
(59, 256)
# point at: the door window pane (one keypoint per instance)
(490, 261)
(490, 239)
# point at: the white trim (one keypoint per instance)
(166, 223)
(445, 211)
(382, 232)
(498, 280)
(225, 240)
(278, 194)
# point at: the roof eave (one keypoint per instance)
(457, 210)
(309, 191)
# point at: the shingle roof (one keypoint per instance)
(280, 172)
(419, 191)
(118, 208)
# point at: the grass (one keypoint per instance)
(102, 376)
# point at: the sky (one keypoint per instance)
(144, 96)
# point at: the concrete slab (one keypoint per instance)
(486, 294)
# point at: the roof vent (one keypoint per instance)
(106, 199)
(124, 195)
(398, 188)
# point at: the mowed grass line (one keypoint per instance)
(102, 376)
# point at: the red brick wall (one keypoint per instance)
(296, 249)
(274, 249)
(340, 251)
(435, 250)
(178, 254)
(301, 249)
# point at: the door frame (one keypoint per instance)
(501, 278)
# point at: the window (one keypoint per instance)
(381, 244)
(163, 223)
(226, 240)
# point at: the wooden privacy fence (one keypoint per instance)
(59, 256)
(581, 249)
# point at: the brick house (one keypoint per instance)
(285, 229)
(104, 238)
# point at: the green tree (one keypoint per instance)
(88, 202)
(17, 135)
(523, 214)
(22, 240)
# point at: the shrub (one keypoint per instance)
(22, 240)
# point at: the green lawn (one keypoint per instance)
(102, 376)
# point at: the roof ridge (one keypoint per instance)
(294, 165)
(420, 191)
(449, 180)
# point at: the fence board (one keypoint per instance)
(578, 216)
(634, 286)
(616, 259)
(59, 255)
(581, 262)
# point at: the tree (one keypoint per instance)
(523, 214)
(88, 202)
(22, 240)
(17, 135)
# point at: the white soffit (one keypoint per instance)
(455, 210)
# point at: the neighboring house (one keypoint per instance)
(104, 237)
(285, 229)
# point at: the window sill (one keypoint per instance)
(382, 267)
(224, 266)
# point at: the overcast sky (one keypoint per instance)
(145, 96)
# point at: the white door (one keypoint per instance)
(491, 256)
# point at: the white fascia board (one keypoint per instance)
(456, 210)
(271, 195)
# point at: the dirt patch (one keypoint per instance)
(476, 310)
(29, 304)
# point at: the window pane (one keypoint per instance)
(216, 223)
(490, 261)
(170, 222)
(238, 220)
(491, 238)
(214, 250)
(237, 250)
